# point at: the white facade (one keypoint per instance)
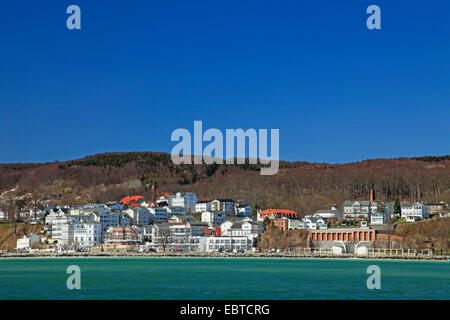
(414, 212)
(108, 219)
(228, 243)
(377, 218)
(203, 206)
(314, 223)
(246, 229)
(331, 213)
(223, 205)
(185, 200)
(357, 209)
(27, 241)
(225, 228)
(212, 218)
(140, 215)
(84, 234)
(62, 232)
(87, 234)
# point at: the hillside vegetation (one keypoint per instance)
(300, 186)
(7, 239)
(428, 234)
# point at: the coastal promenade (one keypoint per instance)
(318, 255)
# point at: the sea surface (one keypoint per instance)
(222, 278)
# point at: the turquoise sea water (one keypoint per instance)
(221, 278)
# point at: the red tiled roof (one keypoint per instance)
(130, 199)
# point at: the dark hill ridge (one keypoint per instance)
(298, 185)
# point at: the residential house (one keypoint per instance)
(185, 200)
(243, 210)
(27, 241)
(122, 236)
(159, 214)
(87, 234)
(139, 215)
(414, 212)
(314, 223)
(296, 224)
(280, 223)
(224, 205)
(436, 207)
(328, 213)
(249, 229)
(359, 209)
(202, 206)
(212, 218)
(107, 219)
(228, 243)
(378, 218)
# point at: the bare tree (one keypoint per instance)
(12, 205)
(164, 237)
(35, 202)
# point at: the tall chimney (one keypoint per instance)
(372, 195)
(153, 190)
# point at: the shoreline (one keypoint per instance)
(222, 255)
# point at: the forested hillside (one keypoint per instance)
(298, 185)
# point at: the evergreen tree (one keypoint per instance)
(397, 207)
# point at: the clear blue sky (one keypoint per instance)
(137, 70)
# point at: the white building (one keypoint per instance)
(212, 218)
(377, 218)
(107, 219)
(246, 229)
(87, 234)
(296, 224)
(180, 218)
(202, 206)
(83, 234)
(414, 212)
(358, 209)
(27, 241)
(54, 215)
(140, 215)
(62, 232)
(328, 213)
(314, 223)
(225, 228)
(224, 205)
(228, 244)
(185, 200)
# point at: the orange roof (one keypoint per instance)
(130, 199)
